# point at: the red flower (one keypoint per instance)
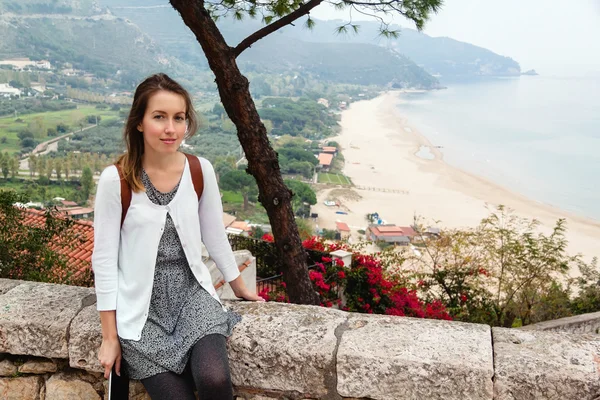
(339, 262)
(267, 237)
(341, 275)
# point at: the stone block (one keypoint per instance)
(384, 357)
(85, 338)
(39, 367)
(7, 368)
(537, 365)
(24, 388)
(284, 347)
(34, 318)
(8, 284)
(65, 387)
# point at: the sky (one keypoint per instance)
(554, 37)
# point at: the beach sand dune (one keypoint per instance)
(379, 148)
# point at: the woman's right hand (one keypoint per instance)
(109, 355)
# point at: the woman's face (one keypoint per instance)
(163, 125)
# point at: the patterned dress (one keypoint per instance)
(181, 310)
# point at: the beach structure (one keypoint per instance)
(397, 235)
(342, 228)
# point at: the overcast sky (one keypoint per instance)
(555, 37)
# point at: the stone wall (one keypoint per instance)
(50, 334)
(585, 323)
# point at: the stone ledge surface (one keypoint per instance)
(291, 351)
(383, 357)
(585, 323)
(35, 317)
(8, 284)
(284, 347)
(534, 365)
(85, 338)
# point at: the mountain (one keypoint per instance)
(441, 56)
(136, 37)
(87, 36)
(359, 63)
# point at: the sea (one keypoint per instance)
(536, 135)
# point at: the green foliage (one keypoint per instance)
(240, 181)
(25, 250)
(30, 106)
(500, 272)
(328, 234)
(87, 183)
(303, 194)
(304, 117)
(588, 283)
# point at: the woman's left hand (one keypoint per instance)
(240, 290)
(249, 296)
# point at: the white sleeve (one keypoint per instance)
(210, 211)
(107, 234)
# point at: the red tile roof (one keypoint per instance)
(325, 159)
(79, 255)
(392, 230)
(342, 227)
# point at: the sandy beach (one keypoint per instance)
(379, 148)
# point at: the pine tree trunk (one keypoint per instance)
(262, 160)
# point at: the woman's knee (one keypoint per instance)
(213, 380)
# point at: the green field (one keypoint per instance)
(9, 127)
(334, 179)
(36, 192)
(232, 197)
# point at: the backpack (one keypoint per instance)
(197, 179)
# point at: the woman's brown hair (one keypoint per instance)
(131, 161)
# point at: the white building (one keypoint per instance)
(6, 90)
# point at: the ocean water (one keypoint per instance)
(538, 136)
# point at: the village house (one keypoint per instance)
(323, 102)
(325, 161)
(329, 150)
(343, 229)
(398, 235)
(6, 90)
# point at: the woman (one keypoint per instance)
(159, 311)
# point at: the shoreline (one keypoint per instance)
(380, 150)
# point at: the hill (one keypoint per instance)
(98, 42)
(360, 63)
(441, 56)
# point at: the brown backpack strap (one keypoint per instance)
(196, 171)
(125, 194)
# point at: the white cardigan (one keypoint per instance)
(124, 258)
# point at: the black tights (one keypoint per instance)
(209, 369)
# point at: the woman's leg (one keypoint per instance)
(169, 385)
(209, 365)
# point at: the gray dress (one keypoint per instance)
(181, 310)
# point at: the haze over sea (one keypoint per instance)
(538, 136)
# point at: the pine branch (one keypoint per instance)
(280, 23)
